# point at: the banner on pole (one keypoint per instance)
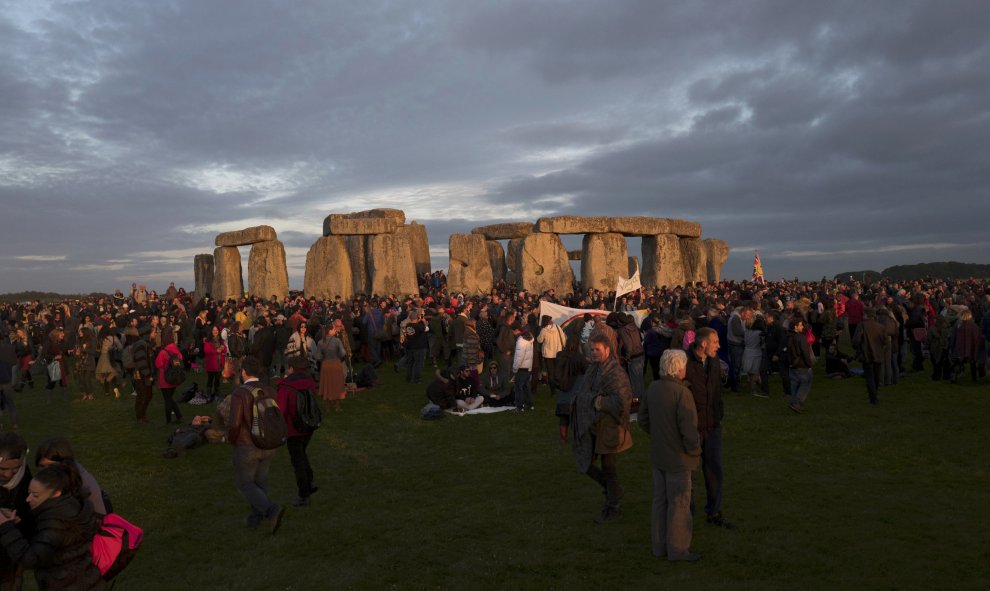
(562, 315)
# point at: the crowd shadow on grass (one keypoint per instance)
(845, 495)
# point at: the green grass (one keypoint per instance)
(844, 496)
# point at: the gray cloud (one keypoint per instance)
(830, 136)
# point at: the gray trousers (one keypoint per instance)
(671, 522)
(251, 478)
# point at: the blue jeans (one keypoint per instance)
(251, 479)
(800, 384)
(524, 391)
(735, 364)
(711, 468)
(415, 358)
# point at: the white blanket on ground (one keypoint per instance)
(481, 410)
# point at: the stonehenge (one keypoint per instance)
(377, 252)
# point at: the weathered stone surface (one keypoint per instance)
(512, 254)
(350, 226)
(328, 269)
(496, 259)
(397, 215)
(627, 226)
(604, 259)
(267, 274)
(357, 251)
(505, 231)
(575, 255)
(717, 254)
(695, 259)
(511, 278)
(420, 244)
(246, 236)
(573, 224)
(203, 269)
(543, 264)
(227, 279)
(391, 269)
(662, 263)
(470, 271)
(633, 265)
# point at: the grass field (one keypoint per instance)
(845, 496)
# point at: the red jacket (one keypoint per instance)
(161, 362)
(286, 398)
(213, 358)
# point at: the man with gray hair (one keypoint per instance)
(667, 412)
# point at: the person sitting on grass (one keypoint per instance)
(468, 389)
(495, 391)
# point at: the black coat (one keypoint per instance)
(59, 551)
(706, 387)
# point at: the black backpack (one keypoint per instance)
(308, 414)
(175, 371)
(268, 429)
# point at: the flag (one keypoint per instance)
(628, 285)
(757, 268)
(562, 315)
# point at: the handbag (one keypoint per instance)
(55, 371)
(228, 368)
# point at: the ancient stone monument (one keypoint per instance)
(377, 252)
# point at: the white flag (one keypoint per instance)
(628, 285)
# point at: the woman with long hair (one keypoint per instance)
(333, 387)
(105, 372)
(65, 522)
(214, 356)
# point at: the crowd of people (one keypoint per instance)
(498, 350)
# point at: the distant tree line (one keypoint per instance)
(44, 296)
(944, 270)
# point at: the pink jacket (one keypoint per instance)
(213, 358)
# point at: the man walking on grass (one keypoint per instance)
(251, 463)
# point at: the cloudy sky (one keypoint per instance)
(831, 136)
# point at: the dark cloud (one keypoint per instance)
(831, 136)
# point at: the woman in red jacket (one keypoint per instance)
(168, 390)
(214, 356)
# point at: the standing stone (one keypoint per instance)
(603, 260)
(267, 274)
(512, 257)
(662, 264)
(227, 280)
(633, 265)
(420, 246)
(694, 255)
(391, 269)
(246, 236)
(328, 269)
(543, 265)
(357, 252)
(470, 270)
(496, 259)
(203, 269)
(718, 252)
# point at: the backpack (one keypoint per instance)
(308, 414)
(268, 429)
(236, 344)
(115, 544)
(127, 357)
(175, 371)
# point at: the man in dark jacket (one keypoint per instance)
(631, 352)
(143, 373)
(800, 362)
(704, 378)
(251, 463)
(870, 341)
